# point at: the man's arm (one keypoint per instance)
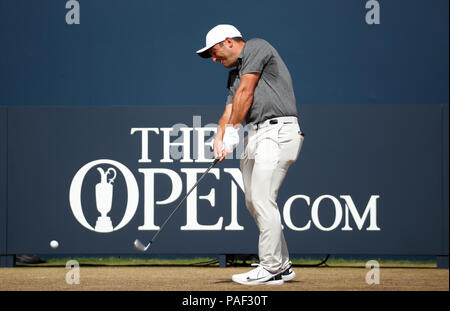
(243, 99)
(235, 113)
(221, 130)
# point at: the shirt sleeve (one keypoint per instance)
(256, 55)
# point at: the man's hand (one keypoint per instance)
(219, 149)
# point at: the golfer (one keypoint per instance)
(261, 94)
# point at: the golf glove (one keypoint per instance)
(230, 138)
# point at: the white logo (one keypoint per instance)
(73, 275)
(106, 183)
(104, 195)
(373, 15)
(373, 276)
(73, 15)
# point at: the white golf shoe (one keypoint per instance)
(288, 274)
(258, 276)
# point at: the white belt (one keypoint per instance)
(273, 121)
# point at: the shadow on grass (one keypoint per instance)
(118, 265)
(362, 266)
(231, 264)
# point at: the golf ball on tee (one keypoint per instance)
(54, 244)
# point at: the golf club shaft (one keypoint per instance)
(179, 204)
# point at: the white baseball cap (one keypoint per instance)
(216, 35)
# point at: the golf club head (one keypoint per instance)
(141, 247)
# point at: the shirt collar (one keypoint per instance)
(241, 55)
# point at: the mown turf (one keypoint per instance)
(213, 262)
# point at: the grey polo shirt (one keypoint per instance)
(274, 94)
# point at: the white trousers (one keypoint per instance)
(269, 150)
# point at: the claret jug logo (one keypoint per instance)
(104, 194)
(103, 198)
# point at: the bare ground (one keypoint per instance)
(343, 278)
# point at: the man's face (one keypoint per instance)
(222, 52)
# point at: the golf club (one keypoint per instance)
(142, 247)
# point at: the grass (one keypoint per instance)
(211, 261)
(362, 263)
(124, 261)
